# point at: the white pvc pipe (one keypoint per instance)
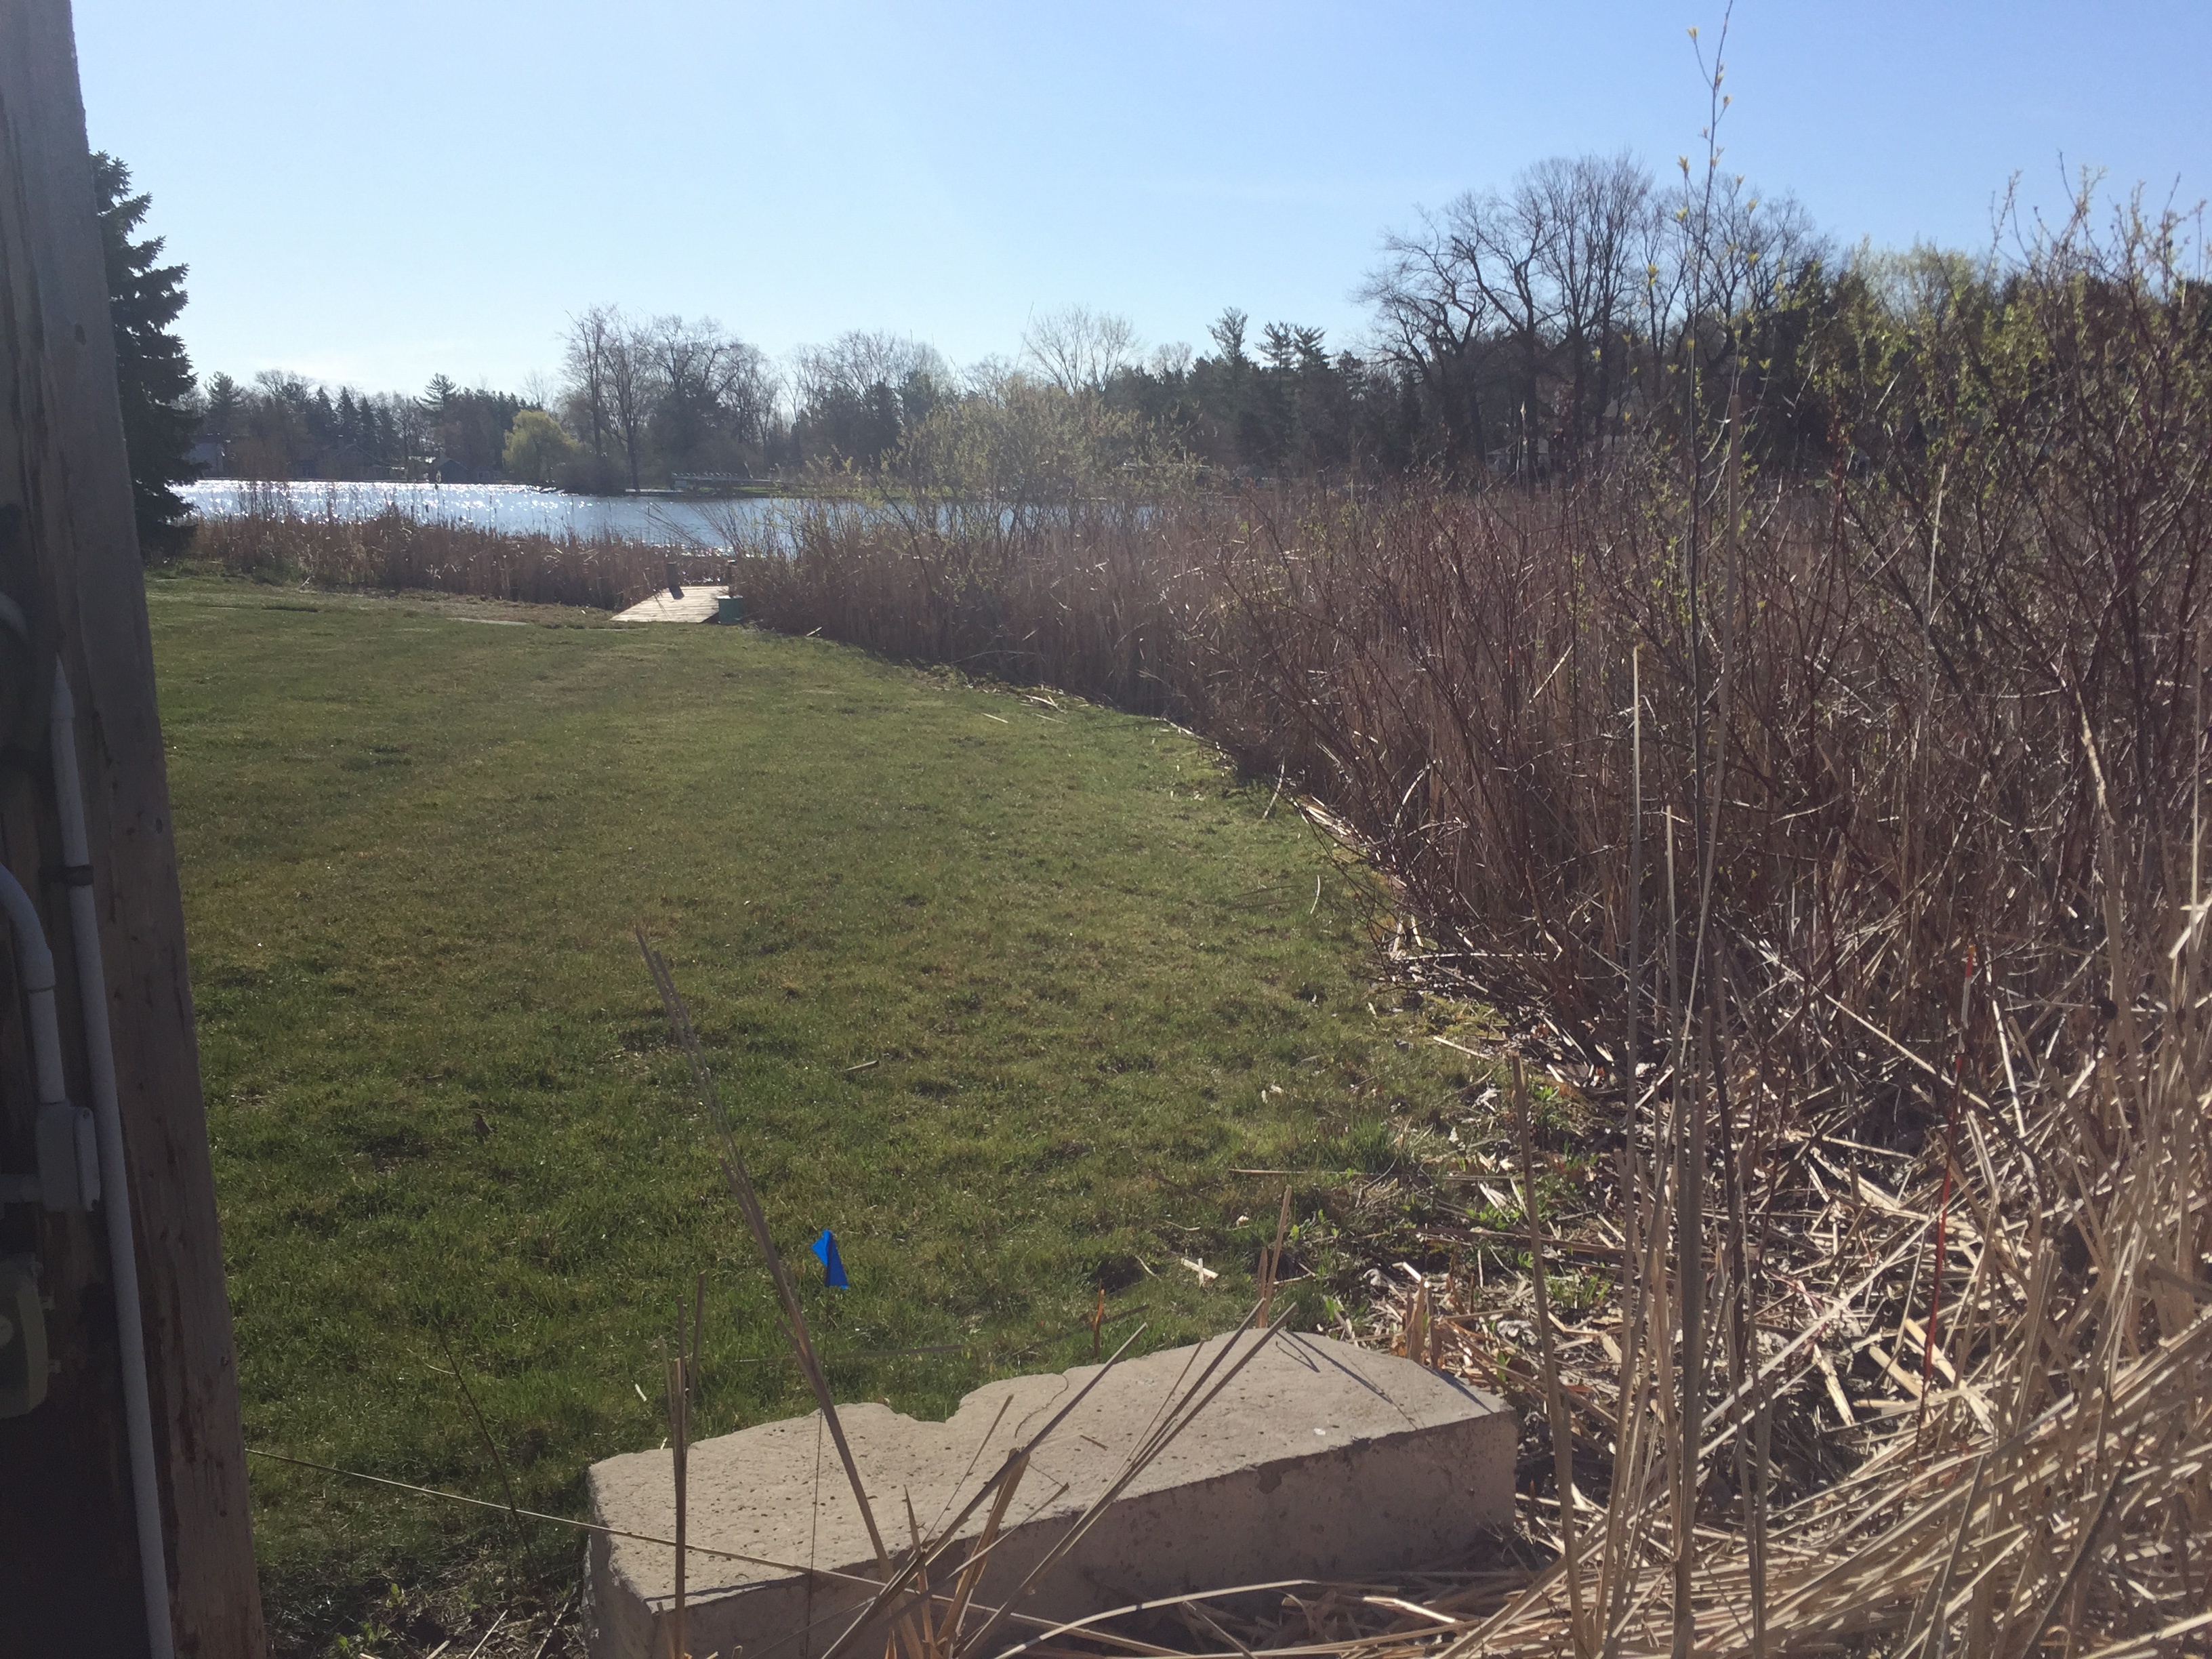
(107, 1115)
(35, 966)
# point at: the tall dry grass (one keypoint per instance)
(392, 552)
(1832, 819)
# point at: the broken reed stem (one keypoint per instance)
(682, 1378)
(484, 1429)
(1745, 1320)
(1635, 902)
(1690, 1285)
(1690, 1159)
(1563, 1445)
(1178, 1417)
(807, 1571)
(1015, 1460)
(678, 1436)
(929, 1645)
(1943, 1202)
(972, 1570)
(1740, 1328)
(1271, 1263)
(569, 1522)
(741, 1189)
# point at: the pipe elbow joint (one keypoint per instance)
(34, 962)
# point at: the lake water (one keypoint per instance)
(515, 508)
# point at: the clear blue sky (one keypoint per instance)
(373, 193)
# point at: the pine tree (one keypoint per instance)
(154, 377)
(225, 397)
(322, 420)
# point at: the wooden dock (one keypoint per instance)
(698, 605)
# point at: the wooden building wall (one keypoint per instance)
(69, 1574)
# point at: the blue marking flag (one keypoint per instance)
(833, 1265)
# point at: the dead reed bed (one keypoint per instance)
(1951, 1399)
(1107, 597)
(1839, 841)
(393, 552)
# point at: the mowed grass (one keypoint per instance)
(999, 991)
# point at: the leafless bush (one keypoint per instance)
(1860, 810)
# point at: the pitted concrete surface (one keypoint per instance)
(1320, 1459)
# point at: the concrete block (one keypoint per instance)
(1320, 1459)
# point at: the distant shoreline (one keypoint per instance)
(660, 518)
(767, 490)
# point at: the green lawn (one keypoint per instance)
(999, 991)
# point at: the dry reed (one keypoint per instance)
(1838, 842)
(1841, 838)
(392, 552)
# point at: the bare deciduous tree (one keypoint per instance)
(858, 395)
(1079, 350)
(629, 370)
(1435, 319)
(1533, 298)
(707, 385)
(859, 359)
(1601, 209)
(586, 355)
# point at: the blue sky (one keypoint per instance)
(373, 194)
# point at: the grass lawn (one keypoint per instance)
(1000, 991)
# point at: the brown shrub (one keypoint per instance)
(393, 551)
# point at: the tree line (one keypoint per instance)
(1522, 332)
(1518, 332)
(284, 426)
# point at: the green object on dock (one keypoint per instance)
(729, 608)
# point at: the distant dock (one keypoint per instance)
(698, 605)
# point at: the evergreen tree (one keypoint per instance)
(225, 397)
(154, 377)
(323, 419)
